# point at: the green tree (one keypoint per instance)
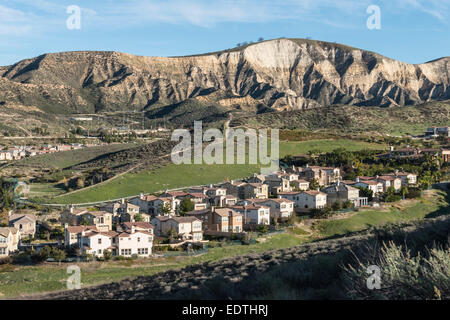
(186, 205)
(58, 255)
(107, 255)
(166, 208)
(314, 185)
(366, 192)
(138, 217)
(404, 191)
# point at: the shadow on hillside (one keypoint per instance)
(445, 209)
(320, 275)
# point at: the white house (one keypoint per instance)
(187, 228)
(306, 200)
(280, 208)
(133, 241)
(9, 241)
(375, 186)
(254, 214)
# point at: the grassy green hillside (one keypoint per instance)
(174, 176)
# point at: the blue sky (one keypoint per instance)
(413, 31)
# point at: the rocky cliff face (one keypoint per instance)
(280, 74)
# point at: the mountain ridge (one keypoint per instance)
(281, 74)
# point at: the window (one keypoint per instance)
(142, 251)
(100, 241)
(139, 239)
(149, 239)
(125, 252)
(2, 250)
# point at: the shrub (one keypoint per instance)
(6, 260)
(107, 255)
(392, 198)
(404, 276)
(322, 213)
(262, 228)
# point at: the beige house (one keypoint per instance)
(101, 219)
(340, 192)
(300, 184)
(324, 175)
(255, 190)
(9, 241)
(390, 181)
(254, 214)
(25, 223)
(234, 187)
(280, 208)
(224, 220)
(72, 233)
(376, 186)
(306, 200)
(187, 228)
(407, 178)
(72, 215)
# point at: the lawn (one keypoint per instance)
(60, 160)
(294, 148)
(435, 202)
(177, 176)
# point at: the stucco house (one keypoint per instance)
(25, 223)
(280, 208)
(254, 214)
(300, 184)
(340, 192)
(9, 240)
(72, 233)
(224, 220)
(187, 227)
(127, 243)
(101, 219)
(254, 190)
(375, 186)
(390, 181)
(306, 200)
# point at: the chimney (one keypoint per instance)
(210, 185)
(71, 208)
(391, 148)
(66, 225)
(122, 201)
(357, 179)
(307, 166)
(396, 172)
(141, 195)
(213, 209)
(376, 177)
